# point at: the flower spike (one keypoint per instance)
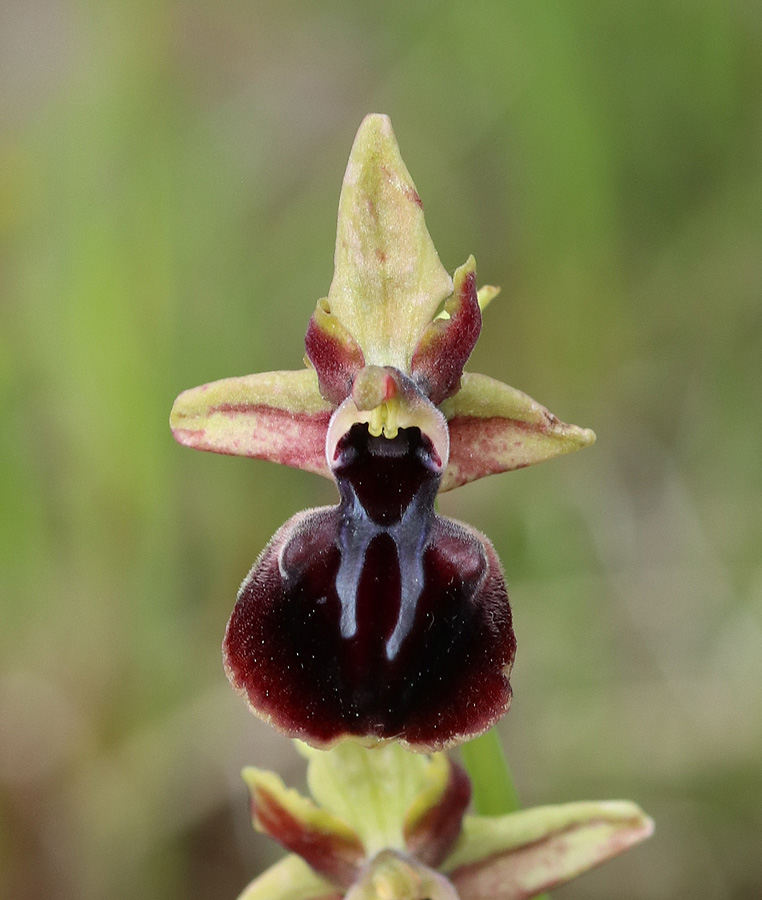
(389, 825)
(376, 618)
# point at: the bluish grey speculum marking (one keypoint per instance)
(394, 495)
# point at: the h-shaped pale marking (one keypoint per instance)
(409, 536)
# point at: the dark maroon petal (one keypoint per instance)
(431, 836)
(333, 352)
(446, 344)
(375, 618)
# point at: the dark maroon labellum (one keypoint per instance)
(376, 618)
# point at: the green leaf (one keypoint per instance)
(487, 767)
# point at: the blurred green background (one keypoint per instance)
(169, 176)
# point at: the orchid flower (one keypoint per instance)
(390, 825)
(377, 618)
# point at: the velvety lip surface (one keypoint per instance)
(375, 618)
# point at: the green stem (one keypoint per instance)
(485, 762)
(494, 791)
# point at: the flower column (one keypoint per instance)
(377, 619)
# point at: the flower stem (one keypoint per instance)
(485, 762)
(494, 791)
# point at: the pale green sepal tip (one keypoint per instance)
(484, 296)
(388, 281)
(299, 806)
(289, 879)
(279, 416)
(521, 432)
(294, 392)
(371, 789)
(579, 824)
(486, 397)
